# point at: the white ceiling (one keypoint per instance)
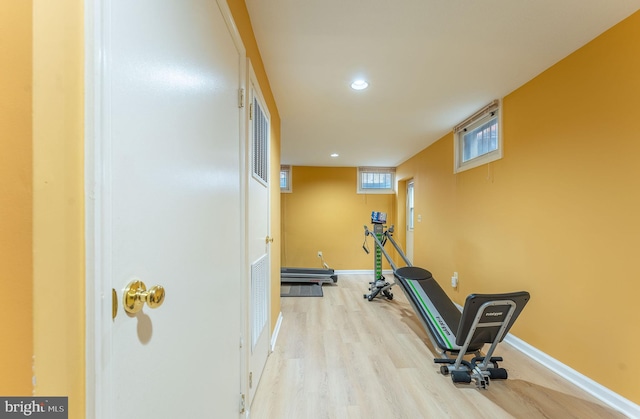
(429, 64)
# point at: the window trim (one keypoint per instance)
(386, 170)
(287, 169)
(494, 109)
(411, 204)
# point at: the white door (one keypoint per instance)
(172, 208)
(259, 240)
(410, 219)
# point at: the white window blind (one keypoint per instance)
(376, 180)
(478, 139)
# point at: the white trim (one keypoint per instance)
(583, 382)
(610, 398)
(276, 331)
(597, 390)
(288, 169)
(479, 114)
(384, 170)
(458, 133)
(92, 349)
(97, 228)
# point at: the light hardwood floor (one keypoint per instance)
(342, 356)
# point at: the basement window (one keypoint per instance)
(380, 180)
(285, 179)
(477, 139)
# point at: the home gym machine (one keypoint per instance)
(485, 318)
(379, 285)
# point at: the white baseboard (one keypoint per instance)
(599, 391)
(276, 331)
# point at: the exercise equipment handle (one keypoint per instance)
(364, 245)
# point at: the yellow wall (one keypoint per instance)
(241, 17)
(557, 216)
(58, 201)
(16, 282)
(325, 213)
(560, 211)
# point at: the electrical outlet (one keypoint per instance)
(454, 280)
(319, 253)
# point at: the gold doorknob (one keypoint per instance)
(136, 294)
(268, 240)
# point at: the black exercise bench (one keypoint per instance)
(485, 319)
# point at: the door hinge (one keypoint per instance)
(251, 112)
(241, 98)
(250, 380)
(242, 403)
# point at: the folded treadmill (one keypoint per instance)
(308, 275)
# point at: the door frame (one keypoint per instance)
(98, 294)
(410, 219)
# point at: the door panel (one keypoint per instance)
(259, 236)
(174, 207)
(410, 219)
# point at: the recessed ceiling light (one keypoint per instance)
(335, 155)
(359, 85)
